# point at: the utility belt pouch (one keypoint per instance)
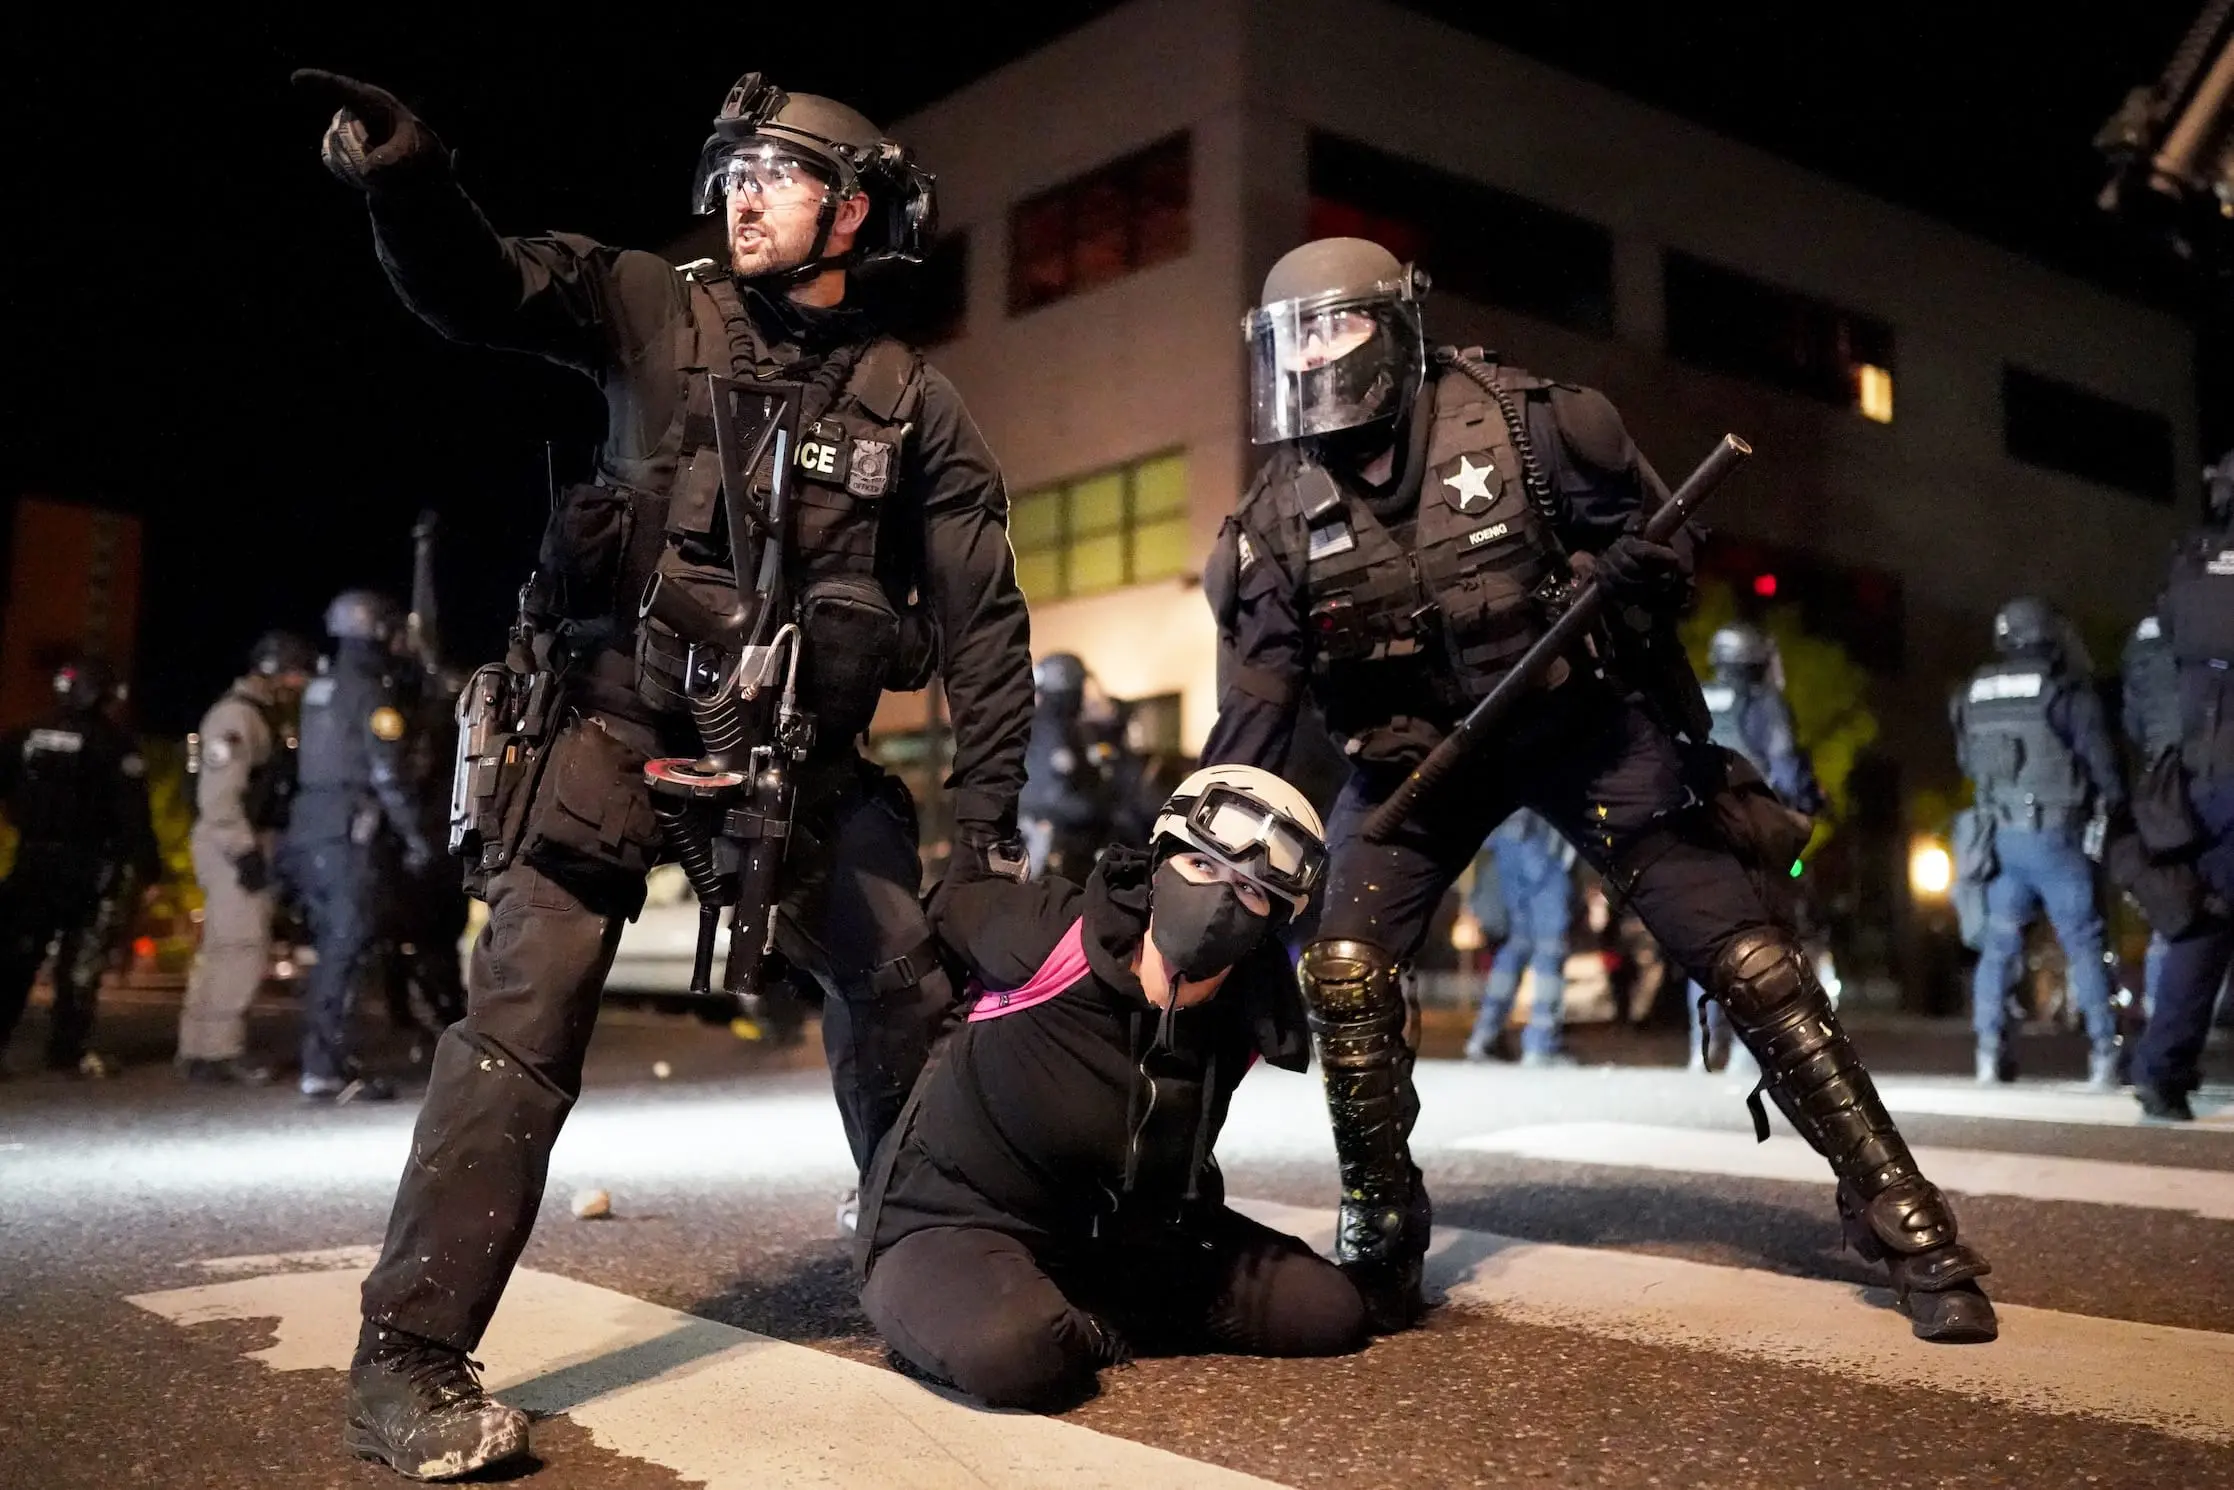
(851, 637)
(1766, 835)
(589, 822)
(579, 566)
(504, 723)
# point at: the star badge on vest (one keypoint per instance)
(386, 724)
(1471, 488)
(871, 472)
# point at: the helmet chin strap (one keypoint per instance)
(816, 263)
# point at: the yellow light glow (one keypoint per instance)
(1931, 869)
(1466, 934)
(1874, 393)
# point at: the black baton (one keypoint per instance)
(1581, 614)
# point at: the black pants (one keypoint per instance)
(48, 897)
(341, 886)
(505, 1076)
(1600, 770)
(426, 987)
(975, 1308)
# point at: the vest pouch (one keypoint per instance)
(1995, 760)
(590, 826)
(851, 636)
(2161, 812)
(579, 563)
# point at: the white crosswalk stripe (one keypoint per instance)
(715, 1404)
(2043, 1102)
(2203, 1192)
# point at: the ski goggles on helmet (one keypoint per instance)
(1238, 830)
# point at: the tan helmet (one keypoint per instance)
(1254, 822)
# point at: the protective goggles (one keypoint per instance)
(761, 167)
(1241, 831)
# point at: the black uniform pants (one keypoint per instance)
(46, 898)
(1600, 770)
(973, 1307)
(341, 886)
(506, 1075)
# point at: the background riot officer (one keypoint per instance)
(244, 782)
(1532, 878)
(2150, 678)
(1069, 805)
(426, 984)
(894, 556)
(1745, 699)
(1396, 556)
(2030, 734)
(75, 788)
(2198, 621)
(354, 826)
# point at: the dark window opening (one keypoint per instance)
(1474, 240)
(2067, 429)
(1733, 323)
(924, 304)
(1102, 226)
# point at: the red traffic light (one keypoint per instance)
(1764, 585)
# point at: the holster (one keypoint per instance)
(505, 721)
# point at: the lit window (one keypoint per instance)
(1102, 226)
(1730, 322)
(1873, 392)
(1102, 531)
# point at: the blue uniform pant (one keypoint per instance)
(2170, 1051)
(2041, 870)
(1538, 910)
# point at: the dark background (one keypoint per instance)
(196, 330)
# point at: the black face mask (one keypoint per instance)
(1201, 929)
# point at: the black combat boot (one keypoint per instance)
(1357, 1019)
(417, 1406)
(1890, 1212)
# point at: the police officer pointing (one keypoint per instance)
(1395, 557)
(353, 827)
(244, 782)
(897, 556)
(2031, 735)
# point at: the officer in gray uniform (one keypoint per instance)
(244, 781)
(893, 562)
(75, 787)
(1397, 554)
(1745, 697)
(353, 829)
(2031, 736)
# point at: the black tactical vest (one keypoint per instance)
(2025, 774)
(270, 793)
(1727, 705)
(2198, 616)
(66, 784)
(1420, 618)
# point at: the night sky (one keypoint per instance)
(196, 330)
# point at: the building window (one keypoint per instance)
(2067, 429)
(1733, 323)
(1859, 608)
(1102, 226)
(1475, 241)
(926, 304)
(1124, 526)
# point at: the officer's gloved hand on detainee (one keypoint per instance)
(979, 855)
(374, 138)
(253, 870)
(1639, 572)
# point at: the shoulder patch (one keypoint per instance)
(386, 723)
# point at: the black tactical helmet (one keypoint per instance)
(278, 652)
(1739, 645)
(852, 154)
(1061, 674)
(2218, 489)
(86, 683)
(363, 615)
(1336, 341)
(2027, 624)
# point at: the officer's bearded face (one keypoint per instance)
(772, 218)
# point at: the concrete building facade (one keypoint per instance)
(1885, 366)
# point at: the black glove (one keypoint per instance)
(1638, 572)
(371, 133)
(253, 870)
(978, 855)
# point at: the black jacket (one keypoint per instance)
(75, 787)
(1065, 1124)
(353, 767)
(615, 314)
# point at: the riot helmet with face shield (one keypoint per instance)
(1336, 343)
(774, 143)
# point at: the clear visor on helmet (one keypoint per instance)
(765, 166)
(1332, 362)
(1244, 833)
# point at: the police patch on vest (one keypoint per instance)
(1471, 488)
(1484, 535)
(871, 472)
(821, 458)
(2004, 685)
(54, 742)
(1331, 539)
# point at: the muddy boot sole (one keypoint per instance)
(509, 1441)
